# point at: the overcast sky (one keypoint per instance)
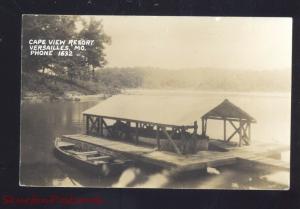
(195, 42)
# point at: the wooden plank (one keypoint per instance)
(222, 118)
(173, 160)
(244, 133)
(232, 135)
(265, 162)
(86, 153)
(139, 121)
(172, 142)
(233, 125)
(107, 128)
(93, 125)
(222, 161)
(65, 144)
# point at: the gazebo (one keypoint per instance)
(235, 116)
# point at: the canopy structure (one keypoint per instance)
(158, 109)
(133, 116)
(228, 112)
(137, 116)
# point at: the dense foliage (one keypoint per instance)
(47, 27)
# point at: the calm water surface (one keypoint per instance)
(42, 122)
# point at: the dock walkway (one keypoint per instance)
(200, 160)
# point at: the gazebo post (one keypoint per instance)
(204, 123)
(249, 131)
(240, 133)
(224, 129)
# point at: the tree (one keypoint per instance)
(94, 56)
(50, 27)
(44, 27)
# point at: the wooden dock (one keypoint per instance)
(265, 162)
(230, 155)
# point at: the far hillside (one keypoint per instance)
(109, 81)
(207, 79)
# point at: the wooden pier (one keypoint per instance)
(231, 155)
(170, 137)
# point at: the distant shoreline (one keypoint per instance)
(36, 97)
(215, 92)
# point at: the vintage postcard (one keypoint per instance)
(156, 102)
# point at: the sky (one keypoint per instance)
(199, 42)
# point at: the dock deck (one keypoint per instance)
(200, 160)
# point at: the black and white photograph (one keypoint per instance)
(161, 102)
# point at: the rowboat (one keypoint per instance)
(88, 159)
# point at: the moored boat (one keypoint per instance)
(89, 160)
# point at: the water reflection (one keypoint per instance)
(127, 177)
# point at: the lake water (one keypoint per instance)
(42, 122)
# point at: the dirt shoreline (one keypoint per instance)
(36, 97)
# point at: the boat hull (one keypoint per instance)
(107, 169)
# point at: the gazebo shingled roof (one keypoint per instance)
(228, 110)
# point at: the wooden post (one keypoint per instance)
(101, 126)
(128, 129)
(98, 125)
(231, 122)
(237, 130)
(157, 137)
(224, 129)
(240, 133)
(107, 127)
(93, 126)
(136, 132)
(204, 125)
(87, 124)
(249, 132)
(195, 127)
(171, 140)
(245, 136)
